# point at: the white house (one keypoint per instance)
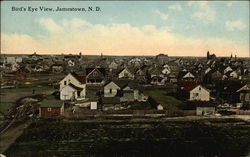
(166, 71)
(199, 93)
(188, 75)
(73, 87)
(12, 60)
(125, 73)
(227, 69)
(113, 65)
(71, 63)
(207, 70)
(233, 74)
(111, 89)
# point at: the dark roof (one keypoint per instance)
(102, 70)
(233, 87)
(51, 103)
(188, 85)
(80, 78)
(131, 71)
(110, 100)
(75, 87)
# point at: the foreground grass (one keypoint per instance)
(129, 138)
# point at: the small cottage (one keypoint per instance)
(51, 108)
(125, 74)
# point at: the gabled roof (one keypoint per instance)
(244, 88)
(129, 70)
(51, 103)
(188, 85)
(110, 82)
(232, 87)
(80, 78)
(90, 70)
(122, 83)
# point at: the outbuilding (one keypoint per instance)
(51, 108)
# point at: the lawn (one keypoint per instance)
(161, 96)
(8, 97)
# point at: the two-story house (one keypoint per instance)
(73, 87)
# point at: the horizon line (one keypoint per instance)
(115, 55)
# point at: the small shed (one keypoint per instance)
(204, 111)
(160, 107)
(51, 108)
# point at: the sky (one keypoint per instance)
(176, 28)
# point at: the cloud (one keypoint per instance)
(176, 7)
(203, 11)
(50, 25)
(235, 25)
(115, 39)
(162, 15)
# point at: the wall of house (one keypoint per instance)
(45, 112)
(234, 75)
(202, 94)
(114, 89)
(70, 79)
(201, 111)
(68, 93)
(125, 74)
(245, 97)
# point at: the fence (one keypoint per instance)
(243, 112)
(169, 113)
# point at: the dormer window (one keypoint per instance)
(65, 83)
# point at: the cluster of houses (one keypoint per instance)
(203, 84)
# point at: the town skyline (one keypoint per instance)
(127, 28)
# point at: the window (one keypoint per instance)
(49, 109)
(196, 94)
(110, 90)
(125, 74)
(78, 93)
(65, 82)
(95, 73)
(199, 88)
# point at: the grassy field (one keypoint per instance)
(147, 138)
(9, 96)
(161, 96)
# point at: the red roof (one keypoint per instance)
(188, 85)
(75, 87)
(81, 79)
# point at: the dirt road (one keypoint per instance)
(9, 137)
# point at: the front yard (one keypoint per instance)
(161, 96)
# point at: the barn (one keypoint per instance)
(51, 108)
